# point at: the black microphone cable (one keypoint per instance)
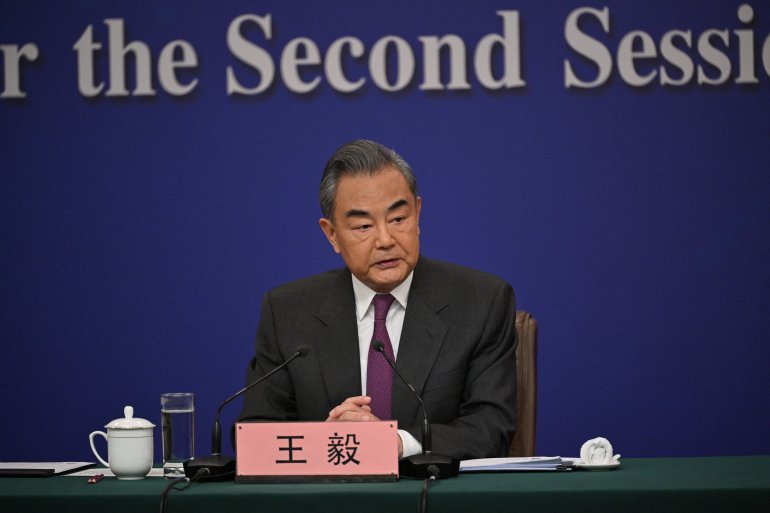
(201, 474)
(422, 505)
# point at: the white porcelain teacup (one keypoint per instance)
(129, 446)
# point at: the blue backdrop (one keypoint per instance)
(139, 231)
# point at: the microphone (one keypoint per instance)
(428, 464)
(221, 467)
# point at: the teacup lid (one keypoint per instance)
(129, 422)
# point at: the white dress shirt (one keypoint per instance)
(394, 322)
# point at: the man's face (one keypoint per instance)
(376, 228)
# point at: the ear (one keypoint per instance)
(331, 235)
(418, 206)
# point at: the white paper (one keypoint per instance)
(511, 464)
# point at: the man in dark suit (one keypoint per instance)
(450, 328)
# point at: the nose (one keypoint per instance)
(383, 239)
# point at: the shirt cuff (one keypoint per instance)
(410, 443)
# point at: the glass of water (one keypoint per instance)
(177, 411)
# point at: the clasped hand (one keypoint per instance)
(353, 409)
(357, 409)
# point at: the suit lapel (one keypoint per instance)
(421, 339)
(338, 341)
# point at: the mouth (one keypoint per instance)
(387, 263)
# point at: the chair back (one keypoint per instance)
(523, 443)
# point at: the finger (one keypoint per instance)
(357, 416)
(345, 408)
(351, 413)
(360, 401)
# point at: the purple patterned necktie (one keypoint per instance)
(379, 375)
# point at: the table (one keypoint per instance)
(659, 485)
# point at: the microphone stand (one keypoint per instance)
(221, 467)
(427, 464)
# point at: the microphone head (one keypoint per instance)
(379, 346)
(302, 350)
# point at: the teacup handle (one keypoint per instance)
(91, 439)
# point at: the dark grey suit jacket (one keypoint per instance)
(457, 349)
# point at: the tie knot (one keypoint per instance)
(382, 304)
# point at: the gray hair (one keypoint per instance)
(358, 158)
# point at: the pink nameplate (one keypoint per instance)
(275, 452)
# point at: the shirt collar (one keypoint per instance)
(364, 294)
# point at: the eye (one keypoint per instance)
(362, 227)
(398, 219)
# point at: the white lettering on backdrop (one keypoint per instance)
(679, 57)
(303, 52)
(637, 49)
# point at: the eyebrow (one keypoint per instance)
(363, 213)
